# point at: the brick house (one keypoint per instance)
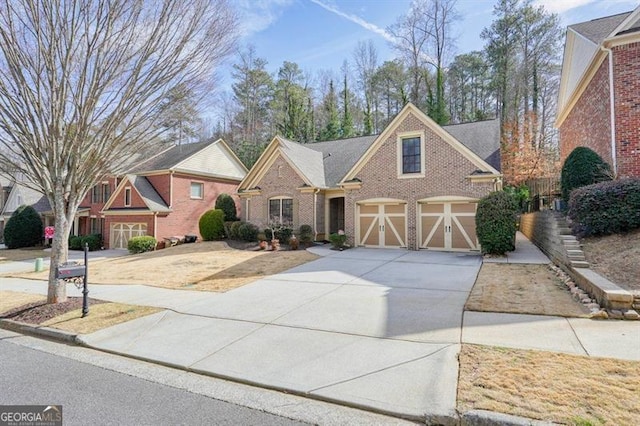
(414, 186)
(599, 96)
(163, 196)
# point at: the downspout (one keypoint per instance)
(171, 189)
(315, 214)
(612, 117)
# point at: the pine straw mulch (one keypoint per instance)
(39, 312)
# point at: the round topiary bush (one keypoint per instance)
(212, 225)
(248, 232)
(23, 229)
(581, 168)
(496, 223)
(225, 203)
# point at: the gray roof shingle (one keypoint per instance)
(341, 155)
(148, 193)
(170, 157)
(481, 137)
(597, 30)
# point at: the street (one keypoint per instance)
(92, 395)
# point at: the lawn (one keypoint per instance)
(522, 289)
(15, 255)
(206, 266)
(562, 388)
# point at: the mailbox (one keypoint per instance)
(70, 270)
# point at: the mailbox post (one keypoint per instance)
(72, 271)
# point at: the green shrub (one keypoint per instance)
(247, 232)
(75, 242)
(338, 239)
(225, 203)
(581, 168)
(141, 244)
(24, 228)
(496, 223)
(305, 235)
(234, 230)
(606, 207)
(520, 194)
(211, 225)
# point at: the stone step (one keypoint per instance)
(580, 264)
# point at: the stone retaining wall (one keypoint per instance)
(549, 231)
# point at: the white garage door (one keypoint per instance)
(448, 225)
(121, 233)
(382, 225)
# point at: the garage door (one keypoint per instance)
(448, 225)
(382, 225)
(120, 233)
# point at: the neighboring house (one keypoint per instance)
(15, 193)
(416, 185)
(163, 196)
(599, 96)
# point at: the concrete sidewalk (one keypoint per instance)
(525, 252)
(375, 329)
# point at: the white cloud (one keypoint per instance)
(357, 20)
(561, 6)
(258, 15)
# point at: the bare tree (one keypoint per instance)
(81, 84)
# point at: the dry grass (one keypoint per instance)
(555, 387)
(100, 316)
(207, 266)
(616, 257)
(523, 289)
(15, 255)
(12, 299)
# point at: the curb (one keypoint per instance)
(469, 418)
(40, 331)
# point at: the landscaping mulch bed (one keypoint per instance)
(39, 312)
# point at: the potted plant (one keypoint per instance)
(293, 242)
(262, 244)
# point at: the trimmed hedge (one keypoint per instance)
(282, 233)
(225, 203)
(606, 208)
(582, 167)
(211, 225)
(234, 230)
(77, 242)
(305, 235)
(24, 228)
(247, 231)
(141, 244)
(496, 223)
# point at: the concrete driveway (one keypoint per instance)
(379, 329)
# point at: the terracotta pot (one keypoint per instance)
(263, 245)
(275, 245)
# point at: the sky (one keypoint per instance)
(321, 34)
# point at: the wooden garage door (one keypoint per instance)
(120, 233)
(448, 225)
(382, 225)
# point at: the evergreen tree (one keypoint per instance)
(331, 130)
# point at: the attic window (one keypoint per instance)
(197, 190)
(411, 155)
(127, 197)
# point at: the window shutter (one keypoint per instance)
(296, 204)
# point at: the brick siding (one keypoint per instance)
(627, 109)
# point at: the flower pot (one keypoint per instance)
(263, 245)
(275, 245)
(293, 243)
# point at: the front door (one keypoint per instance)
(382, 225)
(336, 214)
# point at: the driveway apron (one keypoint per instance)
(373, 328)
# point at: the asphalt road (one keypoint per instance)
(92, 395)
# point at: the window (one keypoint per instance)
(411, 156)
(197, 190)
(281, 210)
(127, 197)
(95, 225)
(106, 192)
(95, 194)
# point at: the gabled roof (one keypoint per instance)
(327, 164)
(585, 51)
(23, 195)
(213, 157)
(599, 29)
(152, 200)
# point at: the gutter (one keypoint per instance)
(612, 118)
(315, 214)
